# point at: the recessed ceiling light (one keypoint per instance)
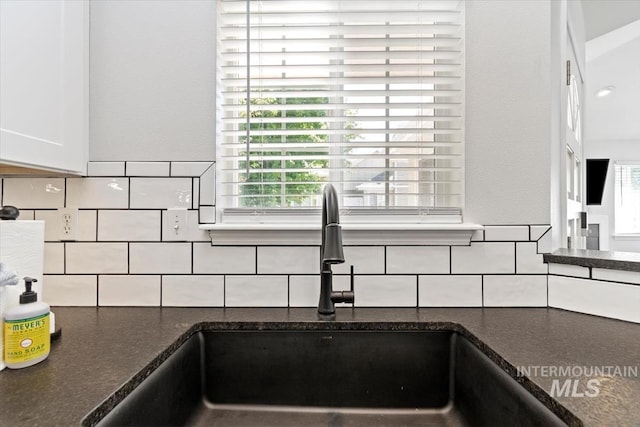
(605, 91)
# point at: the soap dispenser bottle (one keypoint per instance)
(26, 330)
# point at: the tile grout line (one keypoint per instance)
(64, 199)
(256, 258)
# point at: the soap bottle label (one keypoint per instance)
(26, 339)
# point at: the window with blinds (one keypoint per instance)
(367, 95)
(627, 198)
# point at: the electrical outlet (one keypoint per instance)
(68, 223)
(176, 226)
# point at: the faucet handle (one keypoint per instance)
(345, 296)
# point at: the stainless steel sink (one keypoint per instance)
(327, 377)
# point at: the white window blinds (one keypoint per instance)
(627, 198)
(367, 95)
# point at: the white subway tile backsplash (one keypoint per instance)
(208, 186)
(304, 291)
(195, 234)
(418, 260)
(196, 194)
(207, 214)
(161, 193)
(209, 259)
(105, 169)
(25, 214)
(256, 291)
(96, 258)
(483, 258)
(528, 261)
(537, 231)
(33, 193)
(614, 300)
(129, 225)
(193, 291)
(568, 270)
(189, 168)
(129, 290)
(51, 229)
(386, 291)
(616, 275)
(343, 283)
(87, 225)
(545, 244)
(506, 233)
(515, 291)
(53, 258)
(70, 290)
(96, 193)
(288, 260)
(148, 169)
(450, 291)
(136, 262)
(160, 258)
(477, 236)
(365, 260)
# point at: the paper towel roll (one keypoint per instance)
(22, 250)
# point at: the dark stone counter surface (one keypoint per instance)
(103, 348)
(627, 261)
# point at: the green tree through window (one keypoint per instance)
(263, 187)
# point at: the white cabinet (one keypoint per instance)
(44, 84)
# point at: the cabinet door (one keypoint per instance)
(44, 91)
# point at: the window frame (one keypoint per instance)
(374, 217)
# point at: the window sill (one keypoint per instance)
(352, 234)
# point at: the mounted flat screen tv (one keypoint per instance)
(596, 177)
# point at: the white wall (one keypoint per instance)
(152, 80)
(508, 102)
(613, 61)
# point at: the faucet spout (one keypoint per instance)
(331, 252)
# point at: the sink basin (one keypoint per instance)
(326, 378)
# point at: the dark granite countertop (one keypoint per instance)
(101, 349)
(627, 261)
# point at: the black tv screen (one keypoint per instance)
(596, 177)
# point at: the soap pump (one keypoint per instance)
(26, 330)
